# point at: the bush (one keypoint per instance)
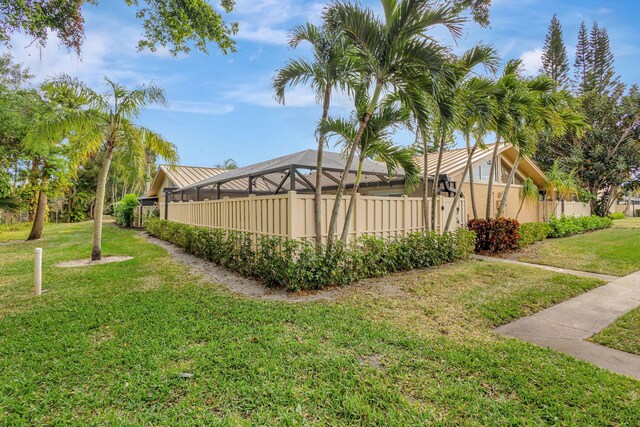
(125, 209)
(297, 265)
(616, 215)
(495, 235)
(531, 232)
(568, 225)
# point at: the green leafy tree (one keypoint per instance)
(375, 143)
(393, 55)
(106, 125)
(584, 54)
(555, 62)
(330, 69)
(175, 24)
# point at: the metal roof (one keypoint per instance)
(331, 163)
(180, 176)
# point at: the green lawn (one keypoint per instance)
(623, 334)
(105, 345)
(614, 251)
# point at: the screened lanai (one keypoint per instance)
(293, 172)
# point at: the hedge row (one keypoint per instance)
(617, 215)
(531, 232)
(568, 225)
(298, 265)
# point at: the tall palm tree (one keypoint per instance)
(476, 101)
(547, 116)
(106, 124)
(375, 143)
(393, 54)
(330, 69)
(461, 70)
(509, 116)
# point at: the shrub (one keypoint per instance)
(125, 209)
(568, 225)
(297, 265)
(531, 232)
(495, 235)
(616, 215)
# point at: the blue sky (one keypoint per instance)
(222, 106)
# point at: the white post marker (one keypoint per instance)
(38, 272)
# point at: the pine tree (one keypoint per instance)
(583, 60)
(603, 74)
(555, 63)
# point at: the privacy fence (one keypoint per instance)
(292, 215)
(555, 209)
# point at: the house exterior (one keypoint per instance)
(276, 197)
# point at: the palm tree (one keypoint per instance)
(375, 143)
(508, 118)
(476, 101)
(547, 116)
(105, 124)
(528, 192)
(331, 69)
(394, 55)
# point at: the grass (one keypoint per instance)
(614, 251)
(107, 343)
(623, 334)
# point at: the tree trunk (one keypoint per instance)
(345, 172)
(147, 184)
(519, 209)
(512, 174)
(436, 182)
(492, 173)
(472, 194)
(425, 182)
(317, 204)
(96, 252)
(69, 206)
(33, 180)
(456, 199)
(352, 202)
(40, 213)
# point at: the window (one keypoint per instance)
(482, 171)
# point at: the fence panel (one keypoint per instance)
(293, 215)
(556, 208)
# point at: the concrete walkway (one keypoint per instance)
(565, 326)
(605, 277)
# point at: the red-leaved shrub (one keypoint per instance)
(495, 235)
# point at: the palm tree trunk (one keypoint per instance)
(96, 252)
(519, 209)
(425, 183)
(436, 182)
(321, 141)
(512, 174)
(69, 206)
(40, 213)
(472, 194)
(352, 202)
(492, 173)
(456, 199)
(345, 172)
(147, 184)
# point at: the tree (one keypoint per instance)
(602, 76)
(452, 95)
(105, 125)
(583, 60)
(555, 62)
(175, 24)
(375, 143)
(227, 164)
(330, 69)
(393, 56)
(476, 103)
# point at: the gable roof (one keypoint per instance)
(180, 176)
(454, 161)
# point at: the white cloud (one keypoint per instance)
(196, 107)
(269, 21)
(532, 61)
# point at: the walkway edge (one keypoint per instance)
(605, 277)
